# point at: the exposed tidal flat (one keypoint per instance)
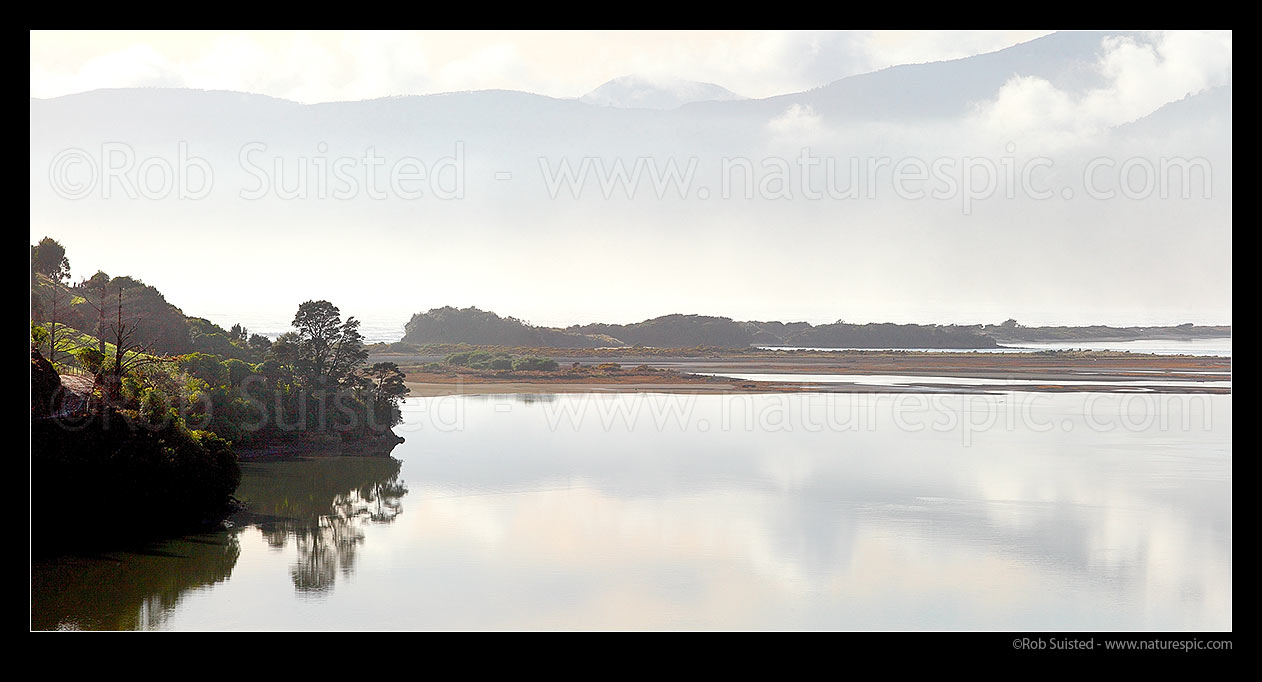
(760, 370)
(803, 510)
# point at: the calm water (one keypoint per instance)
(1211, 346)
(1042, 511)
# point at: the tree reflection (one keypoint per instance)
(142, 587)
(323, 505)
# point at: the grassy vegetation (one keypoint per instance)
(489, 360)
(443, 350)
(79, 354)
(491, 365)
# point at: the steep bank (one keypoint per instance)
(119, 481)
(289, 446)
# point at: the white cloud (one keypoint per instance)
(1141, 76)
(495, 66)
(799, 123)
(135, 65)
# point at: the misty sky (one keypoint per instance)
(509, 246)
(326, 66)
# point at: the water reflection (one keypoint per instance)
(523, 398)
(321, 505)
(612, 516)
(565, 514)
(130, 590)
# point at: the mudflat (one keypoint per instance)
(919, 371)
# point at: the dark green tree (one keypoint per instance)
(96, 290)
(284, 349)
(133, 349)
(259, 344)
(387, 382)
(48, 258)
(329, 351)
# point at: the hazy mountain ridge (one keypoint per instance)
(909, 92)
(636, 92)
(1210, 107)
(517, 127)
(1065, 59)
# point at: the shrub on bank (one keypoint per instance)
(501, 363)
(481, 359)
(535, 364)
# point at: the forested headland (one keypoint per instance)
(134, 403)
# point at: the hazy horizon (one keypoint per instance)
(364, 65)
(1045, 123)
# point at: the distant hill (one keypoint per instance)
(1068, 60)
(1011, 333)
(676, 331)
(471, 325)
(1210, 108)
(636, 92)
(479, 327)
(145, 308)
